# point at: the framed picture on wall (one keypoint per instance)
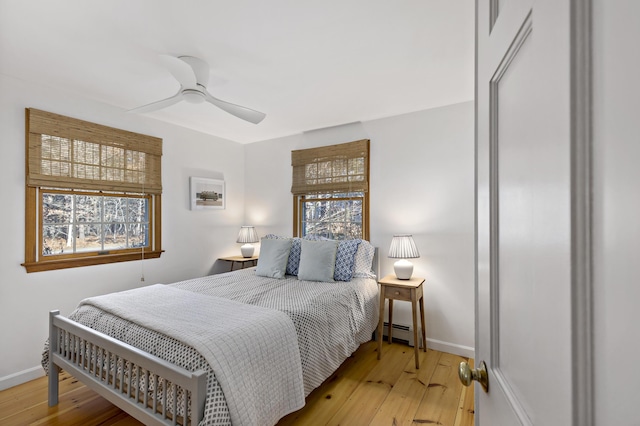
(206, 193)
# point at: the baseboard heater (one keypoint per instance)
(401, 333)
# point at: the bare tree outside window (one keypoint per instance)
(74, 223)
(333, 216)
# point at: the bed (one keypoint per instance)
(243, 348)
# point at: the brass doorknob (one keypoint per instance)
(467, 375)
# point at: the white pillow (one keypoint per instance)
(317, 260)
(273, 258)
(364, 260)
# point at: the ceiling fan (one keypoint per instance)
(193, 75)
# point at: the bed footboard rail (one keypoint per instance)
(149, 388)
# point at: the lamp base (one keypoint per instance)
(247, 250)
(403, 269)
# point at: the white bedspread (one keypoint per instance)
(253, 350)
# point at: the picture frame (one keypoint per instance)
(207, 194)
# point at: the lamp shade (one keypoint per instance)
(403, 248)
(247, 235)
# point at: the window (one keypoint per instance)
(336, 216)
(93, 194)
(330, 186)
(86, 222)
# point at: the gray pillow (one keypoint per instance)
(317, 260)
(273, 258)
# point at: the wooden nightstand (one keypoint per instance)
(409, 290)
(243, 261)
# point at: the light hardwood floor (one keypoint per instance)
(363, 391)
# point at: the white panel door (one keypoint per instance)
(526, 222)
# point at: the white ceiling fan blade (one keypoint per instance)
(244, 113)
(181, 70)
(200, 69)
(158, 104)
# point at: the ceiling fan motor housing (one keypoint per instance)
(193, 96)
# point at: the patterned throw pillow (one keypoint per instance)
(345, 259)
(294, 257)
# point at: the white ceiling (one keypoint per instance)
(306, 64)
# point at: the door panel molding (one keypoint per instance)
(494, 11)
(494, 213)
(519, 39)
(500, 376)
(581, 212)
(516, 405)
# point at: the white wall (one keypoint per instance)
(192, 239)
(422, 182)
(616, 222)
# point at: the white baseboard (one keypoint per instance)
(20, 377)
(404, 333)
(452, 348)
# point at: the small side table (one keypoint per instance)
(242, 261)
(408, 290)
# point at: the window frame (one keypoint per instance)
(34, 260)
(303, 186)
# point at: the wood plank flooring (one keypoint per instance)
(363, 391)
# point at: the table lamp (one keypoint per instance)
(403, 248)
(247, 235)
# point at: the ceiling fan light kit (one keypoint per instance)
(193, 75)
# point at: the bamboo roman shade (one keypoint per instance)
(338, 168)
(64, 152)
